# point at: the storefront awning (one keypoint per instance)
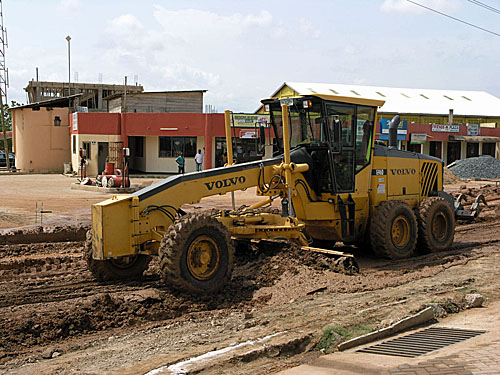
(474, 138)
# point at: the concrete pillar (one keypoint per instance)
(463, 150)
(208, 142)
(426, 148)
(480, 148)
(99, 99)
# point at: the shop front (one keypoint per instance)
(454, 142)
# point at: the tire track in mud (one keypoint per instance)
(47, 295)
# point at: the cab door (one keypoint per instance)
(345, 144)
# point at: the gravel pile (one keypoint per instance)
(480, 167)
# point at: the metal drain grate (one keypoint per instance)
(421, 342)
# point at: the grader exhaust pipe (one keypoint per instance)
(393, 132)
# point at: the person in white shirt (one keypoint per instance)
(198, 158)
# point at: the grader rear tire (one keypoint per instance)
(196, 254)
(436, 225)
(393, 230)
(125, 268)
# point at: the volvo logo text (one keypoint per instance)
(403, 171)
(219, 184)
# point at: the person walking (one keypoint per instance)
(180, 163)
(198, 158)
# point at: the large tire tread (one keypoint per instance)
(380, 230)
(174, 245)
(427, 208)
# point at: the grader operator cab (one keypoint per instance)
(334, 182)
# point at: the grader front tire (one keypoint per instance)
(393, 230)
(436, 225)
(125, 268)
(196, 254)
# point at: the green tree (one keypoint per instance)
(8, 122)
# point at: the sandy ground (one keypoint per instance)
(55, 318)
(22, 194)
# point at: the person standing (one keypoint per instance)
(180, 163)
(198, 158)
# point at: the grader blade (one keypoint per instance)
(344, 262)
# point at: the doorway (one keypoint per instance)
(472, 150)
(102, 156)
(453, 152)
(489, 149)
(435, 149)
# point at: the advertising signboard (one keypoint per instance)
(417, 139)
(445, 128)
(384, 129)
(472, 129)
(246, 120)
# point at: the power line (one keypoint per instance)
(453, 18)
(486, 6)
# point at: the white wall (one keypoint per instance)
(92, 163)
(155, 164)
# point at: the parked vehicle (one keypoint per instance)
(3, 159)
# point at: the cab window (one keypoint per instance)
(343, 163)
(364, 131)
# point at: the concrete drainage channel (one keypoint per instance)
(421, 342)
(281, 343)
(274, 345)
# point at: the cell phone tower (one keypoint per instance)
(4, 71)
(4, 82)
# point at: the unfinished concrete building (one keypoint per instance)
(185, 101)
(92, 97)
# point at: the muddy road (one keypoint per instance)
(55, 318)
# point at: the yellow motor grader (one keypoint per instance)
(334, 181)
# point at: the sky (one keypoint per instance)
(242, 51)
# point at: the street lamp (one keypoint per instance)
(68, 38)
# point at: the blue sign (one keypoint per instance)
(384, 129)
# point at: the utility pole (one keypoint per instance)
(125, 96)
(4, 83)
(4, 130)
(68, 38)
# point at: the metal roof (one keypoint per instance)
(411, 101)
(56, 102)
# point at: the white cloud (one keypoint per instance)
(306, 27)
(278, 32)
(180, 76)
(195, 24)
(404, 6)
(69, 6)
(126, 24)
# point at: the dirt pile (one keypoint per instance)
(450, 178)
(48, 295)
(39, 234)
